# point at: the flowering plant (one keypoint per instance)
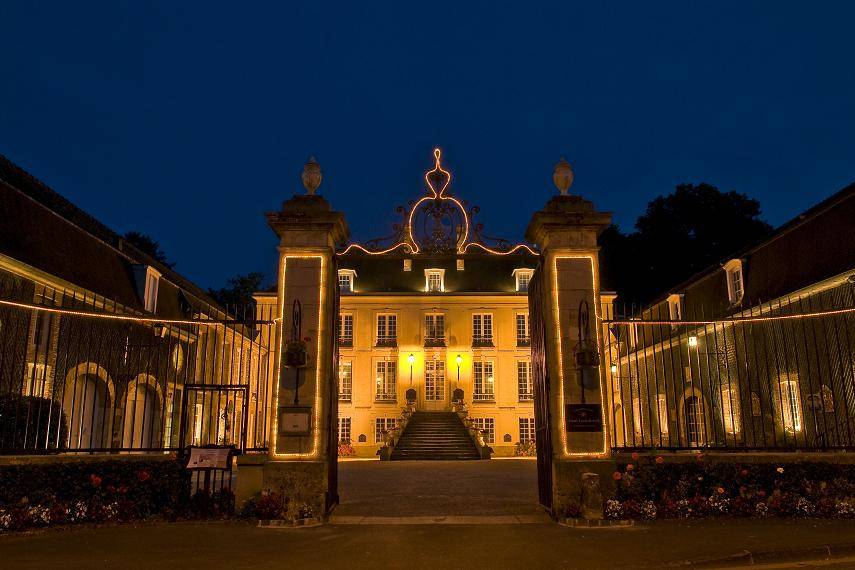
(648, 487)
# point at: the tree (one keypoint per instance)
(149, 246)
(677, 236)
(238, 290)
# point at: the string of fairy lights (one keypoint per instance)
(223, 322)
(134, 318)
(735, 319)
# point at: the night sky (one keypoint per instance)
(188, 121)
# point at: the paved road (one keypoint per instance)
(235, 546)
(438, 488)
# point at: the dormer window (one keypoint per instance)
(152, 284)
(434, 280)
(522, 276)
(735, 281)
(346, 278)
(675, 307)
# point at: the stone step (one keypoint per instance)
(435, 436)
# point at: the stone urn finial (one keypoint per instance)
(563, 176)
(312, 176)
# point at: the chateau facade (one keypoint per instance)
(452, 330)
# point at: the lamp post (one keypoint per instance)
(459, 359)
(411, 359)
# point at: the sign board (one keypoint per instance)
(209, 458)
(583, 417)
(295, 420)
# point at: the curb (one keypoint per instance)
(596, 523)
(748, 558)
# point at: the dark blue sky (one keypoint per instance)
(188, 122)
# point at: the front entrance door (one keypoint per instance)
(434, 391)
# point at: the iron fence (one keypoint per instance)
(84, 374)
(771, 376)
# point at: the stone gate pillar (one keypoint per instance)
(300, 464)
(566, 232)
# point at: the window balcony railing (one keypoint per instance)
(385, 398)
(483, 397)
(345, 341)
(482, 341)
(434, 341)
(387, 341)
(526, 397)
(345, 397)
(523, 341)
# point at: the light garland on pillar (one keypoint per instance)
(318, 357)
(563, 428)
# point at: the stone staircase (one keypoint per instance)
(435, 436)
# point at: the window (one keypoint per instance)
(637, 420)
(345, 330)
(434, 380)
(632, 335)
(152, 283)
(526, 394)
(526, 429)
(523, 338)
(662, 404)
(482, 373)
(694, 418)
(387, 373)
(41, 332)
(460, 265)
(482, 329)
(345, 381)
(434, 328)
(434, 280)
(346, 279)
(344, 430)
(487, 427)
(675, 307)
(791, 405)
(382, 425)
(408, 265)
(387, 329)
(730, 413)
(735, 282)
(523, 276)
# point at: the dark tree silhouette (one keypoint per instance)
(149, 246)
(238, 290)
(679, 235)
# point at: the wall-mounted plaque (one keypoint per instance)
(295, 420)
(583, 417)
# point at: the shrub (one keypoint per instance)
(91, 491)
(345, 449)
(525, 449)
(31, 423)
(646, 487)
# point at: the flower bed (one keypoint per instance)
(651, 488)
(75, 491)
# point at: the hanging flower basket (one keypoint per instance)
(297, 353)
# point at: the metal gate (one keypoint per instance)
(214, 414)
(540, 376)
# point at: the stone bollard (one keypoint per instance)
(591, 503)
